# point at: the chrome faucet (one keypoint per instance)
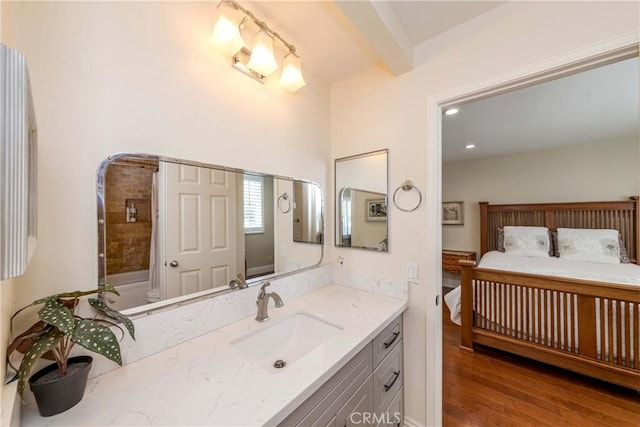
(239, 283)
(263, 302)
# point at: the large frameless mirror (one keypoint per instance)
(171, 229)
(361, 201)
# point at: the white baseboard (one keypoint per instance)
(10, 412)
(261, 269)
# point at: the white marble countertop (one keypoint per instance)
(206, 381)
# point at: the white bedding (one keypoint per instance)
(628, 274)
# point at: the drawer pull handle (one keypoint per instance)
(395, 378)
(395, 337)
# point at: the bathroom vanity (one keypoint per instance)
(370, 383)
(209, 380)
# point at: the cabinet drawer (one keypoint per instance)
(388, 378)
(450, 264)
(384, 342)
(450, 259)
(393, 416)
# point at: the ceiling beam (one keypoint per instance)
(379, 25)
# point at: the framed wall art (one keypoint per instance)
(376, 210)
(453, 213)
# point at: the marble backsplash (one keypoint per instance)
(367, 282)
(167, 328)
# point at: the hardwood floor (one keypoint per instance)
(492, 388)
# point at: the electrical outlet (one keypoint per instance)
(412, 272)
(341, 262)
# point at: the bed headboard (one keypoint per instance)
(623, 216)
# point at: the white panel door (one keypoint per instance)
(200, 230)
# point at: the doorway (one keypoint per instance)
(563, 66)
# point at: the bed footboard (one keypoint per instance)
(588, 327)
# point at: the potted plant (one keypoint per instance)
(61, 385)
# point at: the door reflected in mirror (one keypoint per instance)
(175, 228)
(361, 200)
(307, 213)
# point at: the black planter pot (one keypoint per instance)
(55, 395)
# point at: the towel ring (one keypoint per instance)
(284, 197)
(407, 186)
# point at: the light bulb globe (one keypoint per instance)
(226, 35)
(291, 78)
(262, 60)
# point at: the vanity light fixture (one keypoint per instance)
(451, 111)
(291, 78)
(226, 35)
(240, 60)
(262, 60)
(259, 62)
(470, 146)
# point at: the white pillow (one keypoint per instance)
(526, 241)
(582, 244)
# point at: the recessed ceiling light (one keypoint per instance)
(451, 111)
(470, 146)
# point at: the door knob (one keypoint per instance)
(174, 263)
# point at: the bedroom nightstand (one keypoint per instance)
(450, 259)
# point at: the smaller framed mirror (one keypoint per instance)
(361, 188)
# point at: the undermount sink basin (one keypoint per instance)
(287, 339)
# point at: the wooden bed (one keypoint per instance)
(594, 327)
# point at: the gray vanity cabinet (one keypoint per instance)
(367, 391)
(386, 379)
(351, 414)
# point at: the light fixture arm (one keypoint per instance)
(261, 24)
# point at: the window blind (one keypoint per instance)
(253, 204)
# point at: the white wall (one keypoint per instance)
(373, 110)
(584, 172)
(141, 77)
